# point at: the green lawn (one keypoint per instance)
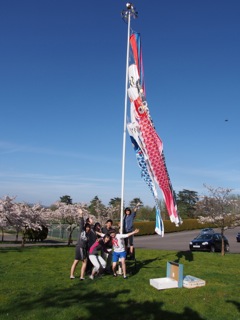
(35, 284)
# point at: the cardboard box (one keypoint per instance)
(174, 278)
(193, 282)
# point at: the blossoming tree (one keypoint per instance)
(218, 209)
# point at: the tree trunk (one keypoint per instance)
(23, 238)
(23, 241)
(16, 237)
(70, 238)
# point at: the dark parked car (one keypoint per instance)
(207, 230)
(209, 242)
(238, 237)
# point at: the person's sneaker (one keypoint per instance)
(115, 275)
(125, 277)
(91, 277)
(81, 279)
(72, 277)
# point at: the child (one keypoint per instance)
(81, 247)
(98, 262)
(108, 256)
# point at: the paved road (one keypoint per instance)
(171, 241)
(180, 240)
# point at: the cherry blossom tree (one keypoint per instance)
(3, 224)
(218, 209)
(22, 216)
(29, 219)
(68, 214)
(6, 209)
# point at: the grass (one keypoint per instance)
(35, 284)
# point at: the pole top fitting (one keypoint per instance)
(131, 10)
(129, 5)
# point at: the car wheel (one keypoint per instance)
(212, 249)
(227, 248)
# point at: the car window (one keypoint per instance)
(208, 236)
(204, 236)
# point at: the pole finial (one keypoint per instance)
(131, 10)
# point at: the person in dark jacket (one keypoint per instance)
(107, 256)
(128, 220)
(82, 246)
(97, 229)
(93, 236)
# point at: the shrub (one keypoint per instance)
(36, 235)
(148, 227)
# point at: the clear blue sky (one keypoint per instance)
(62, 87)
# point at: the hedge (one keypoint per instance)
(148, 227)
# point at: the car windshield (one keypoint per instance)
(207, 230)
(204, 236)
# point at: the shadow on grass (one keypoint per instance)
(12, 242)
(237, 304)
(133, 267)
(11, 249)
(188, 255)
(24, 249)
(84, 304)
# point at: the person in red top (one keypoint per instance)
(98, 262)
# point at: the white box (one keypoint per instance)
(163, 283)
(193, 282)
(173, 279)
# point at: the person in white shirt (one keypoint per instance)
(119, 252)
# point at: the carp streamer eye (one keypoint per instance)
(145, 105)
(141, 109)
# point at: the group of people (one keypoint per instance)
(101, 248)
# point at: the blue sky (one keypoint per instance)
(62, 87)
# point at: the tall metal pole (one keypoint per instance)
(126, 15)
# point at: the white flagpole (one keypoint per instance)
(126, 15)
